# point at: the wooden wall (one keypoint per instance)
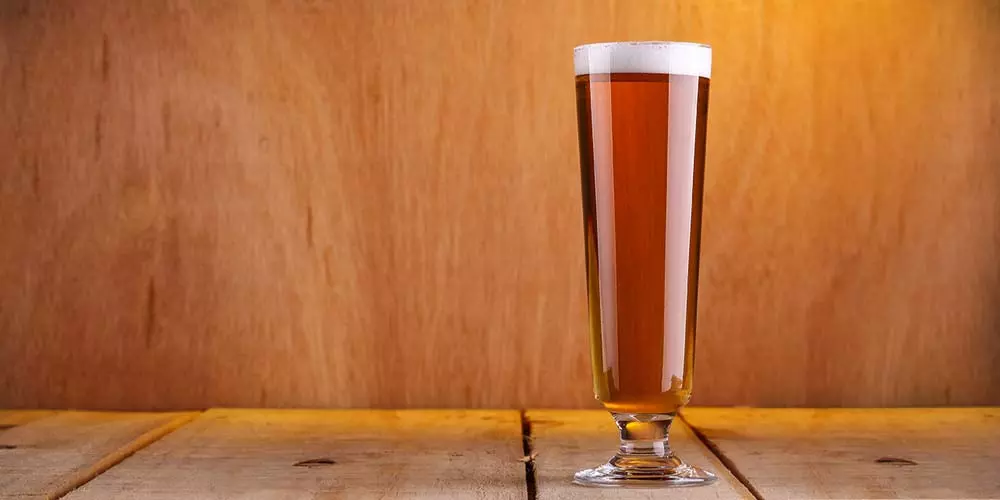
(351, 204)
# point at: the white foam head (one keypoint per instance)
(673, 58)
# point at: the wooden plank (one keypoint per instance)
(14, 418)
(564, 442)
(877, 453)
(309, 454)
(47, 457)
(232, 207)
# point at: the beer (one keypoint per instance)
(642, 110)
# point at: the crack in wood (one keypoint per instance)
(36, 177)
(98, 134)
(316, 462)
(895, 461)
(149, 327)
(530, 476)
(165, 125)
(118, 456)
(105, 59)
(726, 461)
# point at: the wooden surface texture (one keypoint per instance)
(271, 454)
(43, 458)
(292, 454)
(868, 453)
(376, 204)
(13, 418)
(565, 441)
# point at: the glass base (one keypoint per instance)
(644, 458)
(665, 475)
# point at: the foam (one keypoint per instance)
(674, 58)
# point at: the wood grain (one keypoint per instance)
(871, 453)
(567, 441)
(852, 220)
(376, 204)
(48, 457)
(13, 418)
(326, 454)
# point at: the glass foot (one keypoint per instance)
(672, 473)
(644, 458)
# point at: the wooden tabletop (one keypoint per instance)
(327, 454)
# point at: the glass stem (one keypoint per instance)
(644, 435)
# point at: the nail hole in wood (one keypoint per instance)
(316, 462)
(895, 461)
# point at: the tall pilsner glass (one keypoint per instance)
(642, 109)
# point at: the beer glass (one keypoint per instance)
(642, 110)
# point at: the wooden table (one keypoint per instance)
(325, 454)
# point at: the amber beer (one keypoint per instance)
(642, 110)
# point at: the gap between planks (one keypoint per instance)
(859, 452)
(326, 453)
(530, 478)
(577, 437)
(564, 441)
(726, 461)
(117, 456)
(527, 444)
(49, 454)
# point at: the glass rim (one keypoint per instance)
(670, 58)
(650, 43)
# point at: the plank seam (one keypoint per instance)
(127, 450)
(530, 477)
(6, 427)
(726, 461)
